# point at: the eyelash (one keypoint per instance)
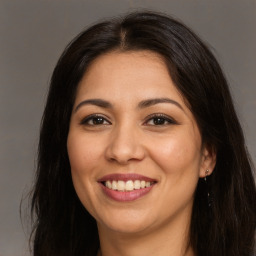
(161, 117)
(92, 117)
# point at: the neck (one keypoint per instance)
(171, 239)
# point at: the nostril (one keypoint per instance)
(123, 149)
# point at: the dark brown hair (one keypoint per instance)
(62, 225)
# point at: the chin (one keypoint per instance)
(128, 222)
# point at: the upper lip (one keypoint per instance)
(125, 177)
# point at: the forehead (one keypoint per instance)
(128, 73)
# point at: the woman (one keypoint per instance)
(141, 151)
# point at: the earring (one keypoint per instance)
(209, 197)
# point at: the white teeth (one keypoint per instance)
(114, 185)
(136, 184)
(129, 185)
(108, 184)
(120, 185)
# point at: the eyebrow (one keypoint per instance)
(96, 102)
(151, 102)
(143, 104)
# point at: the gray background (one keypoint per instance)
(33, 34)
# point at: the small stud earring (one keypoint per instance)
(206, 174)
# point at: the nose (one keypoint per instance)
(125, 145)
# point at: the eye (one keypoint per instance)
(159, 119)
(95, 120)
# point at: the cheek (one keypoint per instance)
(83, 154)
(84, 159)
(177, 154)
(178, 160)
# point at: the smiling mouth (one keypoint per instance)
(129, 185)
(126, 187)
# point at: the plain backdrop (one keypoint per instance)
(33, 34)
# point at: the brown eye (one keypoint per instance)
(159, 119)
(95, 120)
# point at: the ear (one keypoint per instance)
(208, 160)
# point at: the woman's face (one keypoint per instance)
(134, 147)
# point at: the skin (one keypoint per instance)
(125, 139)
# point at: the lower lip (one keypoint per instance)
(125, 196)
